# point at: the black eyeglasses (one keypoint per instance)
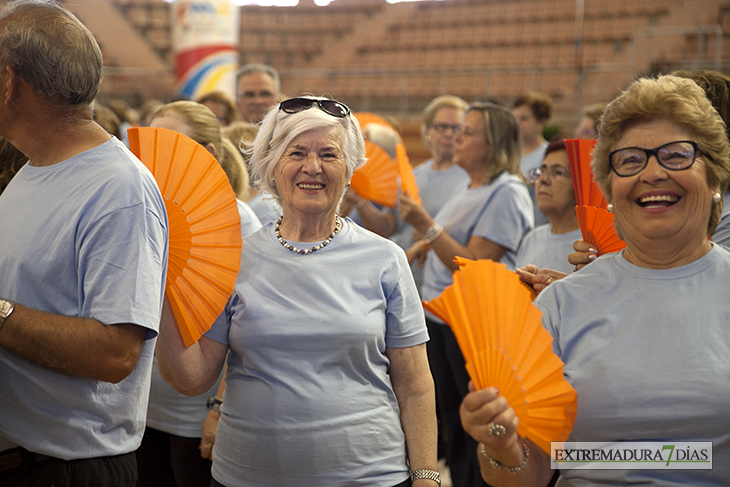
(443, 127)
(330, 107)
(675, 156)
(552, 171)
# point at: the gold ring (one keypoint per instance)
(209, 446)
(549, 280)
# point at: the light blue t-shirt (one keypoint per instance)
(547, 250)
(267, 209)
(176, 413)
(250, 223)
(308, 397)
(500, 212)
(355, 216)
(648, 352)
(435, 188)
(86, 237)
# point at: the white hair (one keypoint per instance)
(279, 128)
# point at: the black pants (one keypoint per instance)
(452, 384)
(114, 471)
(166, 460)
(405, 483)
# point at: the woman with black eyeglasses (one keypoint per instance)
(548, 246)
(643, 332)
(327, 378)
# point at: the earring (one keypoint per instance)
(273, 182)
(428, 139)
(716, 198)
(348, 185)
(609, 208)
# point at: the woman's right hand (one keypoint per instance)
(538, 279)
(584, 254)
(413, 213)
(482, 408)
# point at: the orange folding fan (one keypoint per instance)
(366, 118)
(596, 227)
(205, 227)
(596, 224)
(378, 179)
(587, 191)
(407, 178)
(500, 333)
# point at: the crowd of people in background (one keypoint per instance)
(323, 368)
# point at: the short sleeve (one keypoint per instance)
(219, 330)
(122, 264)
(507, 217)
(405, 319)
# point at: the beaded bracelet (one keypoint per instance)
(426, 474)
(499, 466)
(432, 233)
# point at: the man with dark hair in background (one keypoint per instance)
(257, 89)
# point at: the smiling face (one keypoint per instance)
(310, 176)
(442, 142)
(471, 149)
(554, 194)
(659, 207)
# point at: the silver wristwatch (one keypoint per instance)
(6, 308)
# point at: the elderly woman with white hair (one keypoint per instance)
(327, 381)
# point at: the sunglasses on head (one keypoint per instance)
(330, 107)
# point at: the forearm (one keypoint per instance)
(377, 221)
(192, 370)
(414, 390)
(418, 417)
(345, 207)
(79, 347)
(446, 248)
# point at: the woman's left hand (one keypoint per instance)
(417, 253)
(480, 412)
(413, 213)
(538, 279)
(207, 439)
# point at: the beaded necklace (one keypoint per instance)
(287, 245)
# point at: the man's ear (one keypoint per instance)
(10, 87)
